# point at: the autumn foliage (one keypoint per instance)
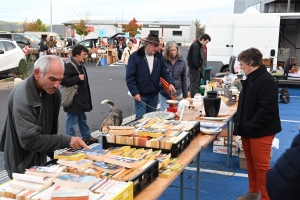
(81, 28)
(34, 26)
(133, 28)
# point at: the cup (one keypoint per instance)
(202, 90)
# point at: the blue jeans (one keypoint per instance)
(80, 119)
(163, 102)
(141, 108)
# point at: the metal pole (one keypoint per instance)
(51, 14)
(288, 6)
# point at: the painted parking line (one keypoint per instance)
(293, 121)
(217, 172)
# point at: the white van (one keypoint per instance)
(276, 35)
(59, 43)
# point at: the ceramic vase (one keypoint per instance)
(212, 104)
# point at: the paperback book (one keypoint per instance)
(69, 155)
(53, 170)
(75, 181)
(81, 164)
(107, 167)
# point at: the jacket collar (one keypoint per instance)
(261, 69)
(198, 42)
(141, 52)
(32, 92)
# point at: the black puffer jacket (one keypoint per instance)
(258, 113)
(82, 101)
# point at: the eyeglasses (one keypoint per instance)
(84, 55)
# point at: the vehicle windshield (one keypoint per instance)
(32, 38)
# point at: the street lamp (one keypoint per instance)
(51, 14)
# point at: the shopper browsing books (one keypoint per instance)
(30, 131)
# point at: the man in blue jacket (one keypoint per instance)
(143, 72)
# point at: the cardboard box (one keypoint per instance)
(243, 163)
(223, 150)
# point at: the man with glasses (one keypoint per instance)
(75, 73)
(143, 72)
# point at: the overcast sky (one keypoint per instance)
(142, 10)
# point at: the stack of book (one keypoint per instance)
(53, 170)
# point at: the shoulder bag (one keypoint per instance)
(67, 93)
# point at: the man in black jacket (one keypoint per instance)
(82, 101)
(197, 62)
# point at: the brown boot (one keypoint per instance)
(250, 196)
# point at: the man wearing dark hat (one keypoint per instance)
(143, 72)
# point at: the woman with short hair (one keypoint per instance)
(177, 68)
(257, 120)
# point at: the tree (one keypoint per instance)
(199, 30)
(133, 28)
(34, 26)
(81, 27)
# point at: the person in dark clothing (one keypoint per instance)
(196, 60)
(177, 68)
(43, 47)
(143, 72)
(283, 179)
(82, 101)
(256, 120)
(30, 130)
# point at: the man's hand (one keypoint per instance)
(77, 142)
(81, 76)
(172, 88)
(137, 97)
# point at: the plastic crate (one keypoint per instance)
(175, 150)
(125, 194)
(146, 178)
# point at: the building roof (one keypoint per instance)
(110, 22)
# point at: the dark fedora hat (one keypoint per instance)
(152, 38)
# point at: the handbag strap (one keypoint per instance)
(75, 67)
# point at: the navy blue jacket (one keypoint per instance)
(138, 77)
(283, 179)
(178, 73)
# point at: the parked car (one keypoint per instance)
(71, 41)
(10, 55)
(21, 41)
(92, 42)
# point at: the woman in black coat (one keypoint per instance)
(257, 120)
(82, 101)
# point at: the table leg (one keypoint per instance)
(198, 177)
(182, 185)
(229, 142)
